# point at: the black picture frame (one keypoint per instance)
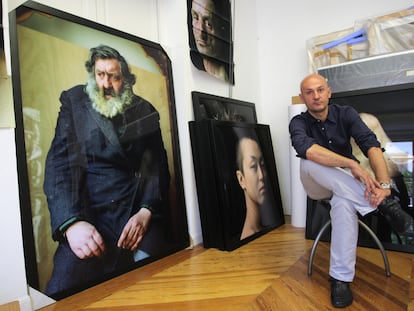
(220, 196)
(49, 49)
(214, 107)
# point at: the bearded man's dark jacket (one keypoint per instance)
(102, 171)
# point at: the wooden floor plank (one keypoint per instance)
(372, 289)
(81, 300)
(11, 306)
(269, 273)
(411, 288)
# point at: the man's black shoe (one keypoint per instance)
(399, 220)
(341, 294)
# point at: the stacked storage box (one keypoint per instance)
(372, 36)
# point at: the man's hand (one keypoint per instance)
(135, 230)
(373, 190)
(378, 195)
(372, 186)
(84, 240)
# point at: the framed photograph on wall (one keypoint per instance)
(210, 37)
(208, 106)
(98, 153)
(237, 183)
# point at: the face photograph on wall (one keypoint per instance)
(209, 30)
(102, 193)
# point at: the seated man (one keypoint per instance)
(321, 137)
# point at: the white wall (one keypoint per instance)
(270, 60)
(12, 273)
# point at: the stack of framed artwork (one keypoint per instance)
(225, 194)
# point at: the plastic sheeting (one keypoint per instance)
(368, 37)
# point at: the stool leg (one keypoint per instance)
(379, 244)
(315, 244)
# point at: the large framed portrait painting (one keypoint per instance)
(98, 153)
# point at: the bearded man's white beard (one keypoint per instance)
(108, 107)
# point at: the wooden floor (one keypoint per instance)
(269, 273)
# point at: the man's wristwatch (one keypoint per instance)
(385, 185)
